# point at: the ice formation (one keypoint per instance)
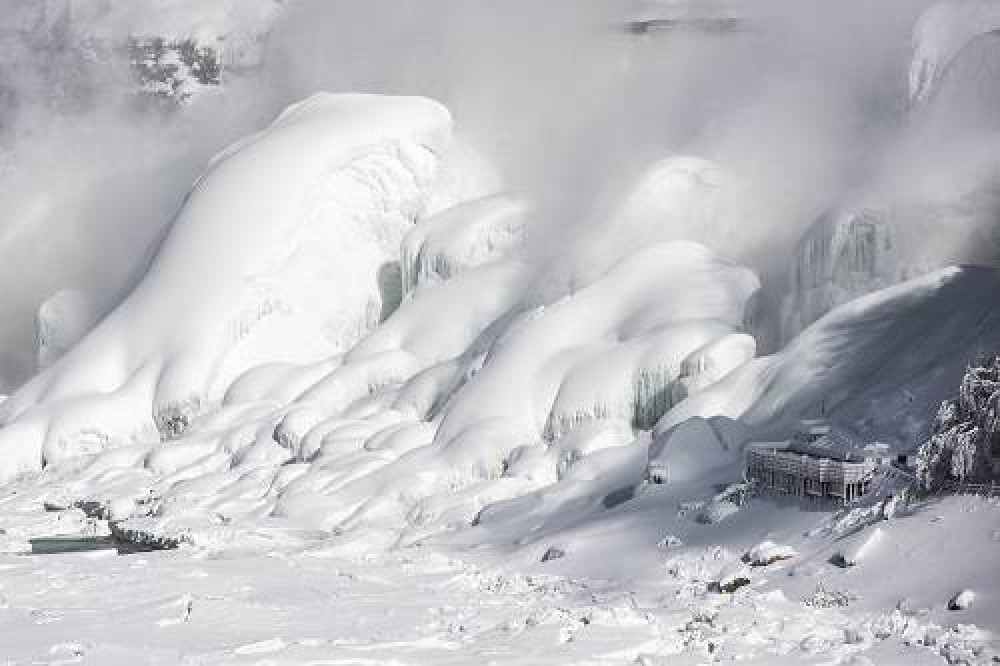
(61, 322)
(253, 376)
(462, 237)
(608, 352)
(940, 35)
(847, 253)
(356, 171)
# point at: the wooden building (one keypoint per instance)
(810, 470)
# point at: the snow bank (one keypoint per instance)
(962, 601)
(355, 172)
(767, 552)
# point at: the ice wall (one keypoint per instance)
(847, 253)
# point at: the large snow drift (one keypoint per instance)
(287, 270)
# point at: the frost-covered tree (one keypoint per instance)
(966, 430)
(172, 70)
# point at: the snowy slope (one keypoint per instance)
(878, 365)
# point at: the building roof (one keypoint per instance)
(835, 444)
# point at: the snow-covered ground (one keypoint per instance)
(633, 586)
(372, 402)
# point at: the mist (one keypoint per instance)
(804, 110)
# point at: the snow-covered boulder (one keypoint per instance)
(356, 171)
(767, 552)
(607, 353)
(962, 601)
(715, 511)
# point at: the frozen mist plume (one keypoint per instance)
(803, 111)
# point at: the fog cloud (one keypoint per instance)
(804, 108)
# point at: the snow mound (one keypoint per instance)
(526, 382)
(767, 552)
(245, 280)
(696, 449)
(287, 380)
